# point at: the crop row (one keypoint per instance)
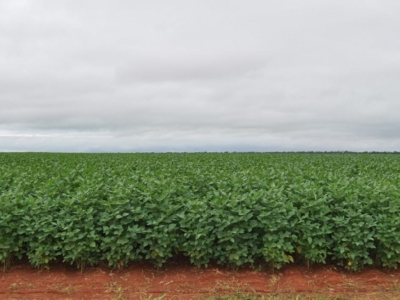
(229, 209)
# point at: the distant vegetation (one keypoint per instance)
(230, 209)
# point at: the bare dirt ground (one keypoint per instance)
(180, 280)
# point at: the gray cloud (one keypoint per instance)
(193, 67)
(199, 75)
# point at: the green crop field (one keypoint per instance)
(229, 209)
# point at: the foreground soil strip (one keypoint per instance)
(182, 281)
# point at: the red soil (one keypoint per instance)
(183, 281)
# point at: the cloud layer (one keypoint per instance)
(199, 75)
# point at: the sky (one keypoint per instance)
(199, 75)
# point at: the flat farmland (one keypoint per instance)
(258, 211)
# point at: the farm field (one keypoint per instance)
(180, 280)
(259, 212)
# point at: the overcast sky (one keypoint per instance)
(204, 75)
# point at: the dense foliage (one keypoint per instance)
(230, 209)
